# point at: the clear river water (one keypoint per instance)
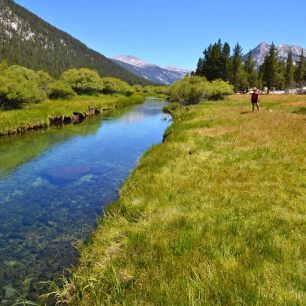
(55, 183)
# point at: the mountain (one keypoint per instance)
(27, 40)
(154, 73)
(262, 50)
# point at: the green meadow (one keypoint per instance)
(33, 114)
(215, 215)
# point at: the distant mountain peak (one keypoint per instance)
(155, 73)
(174, 68)
(260, 52)
(132, 60)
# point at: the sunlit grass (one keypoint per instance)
(213, 216)
(33, 113)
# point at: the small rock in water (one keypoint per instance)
(86, 178)
(38, 182)
(17, 193)
(51, 223)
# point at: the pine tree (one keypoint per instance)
(289, 72)
(226, 61)
(280, 75)
(250, 69)
(216, 61)
(300, 71)
(270, 68)
(199, 70)
(237, 73)
(211, 65)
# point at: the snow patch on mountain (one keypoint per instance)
(155, 73)
(132, 60)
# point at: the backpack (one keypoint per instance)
(254, 97)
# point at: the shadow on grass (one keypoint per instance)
(301, 111)
(245, 112)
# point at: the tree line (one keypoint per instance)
(20, 85)
(219, 63)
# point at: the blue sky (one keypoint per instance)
(174, 32)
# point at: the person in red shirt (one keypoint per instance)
(255, 99)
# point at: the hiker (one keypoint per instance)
(255, 99)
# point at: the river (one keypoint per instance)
(55, 183)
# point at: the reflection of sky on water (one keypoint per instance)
(53, 199)
(142, 113)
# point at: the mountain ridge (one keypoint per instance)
(260, 51)
(28, 40)
(153, 72)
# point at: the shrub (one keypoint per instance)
(219, 89)
(193, 89)
(44, 80)
(83, 80)
(60, 90)
(113, 85)
(19, 85)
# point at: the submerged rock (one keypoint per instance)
(86, 178)
(65, 174)
(38, 182)
(17, 193)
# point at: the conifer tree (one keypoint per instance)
(289, 72)
(250, 69)
(226, 61)
(237, 72)
(270, 68)
(199, 70)
(300, 71)
(280, 75)
(211, 66)
(204, 63)
(216, 61)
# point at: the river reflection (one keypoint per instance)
(53, 191)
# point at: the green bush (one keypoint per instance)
(114, 85)
(20, 85)
(44, 80)
(83, 80)
(219, 89)
(193, 89)
(60, 90)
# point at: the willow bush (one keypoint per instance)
(60, 90)
(115, 86)
(83, 80)
(193, 89)
(20, 85)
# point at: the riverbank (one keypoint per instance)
(213, 216)
(43, 114)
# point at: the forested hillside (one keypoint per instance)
(27, 40)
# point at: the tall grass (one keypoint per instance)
(33, 113)
(213, 216)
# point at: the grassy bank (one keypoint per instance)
(213, 216)
(35, 115)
